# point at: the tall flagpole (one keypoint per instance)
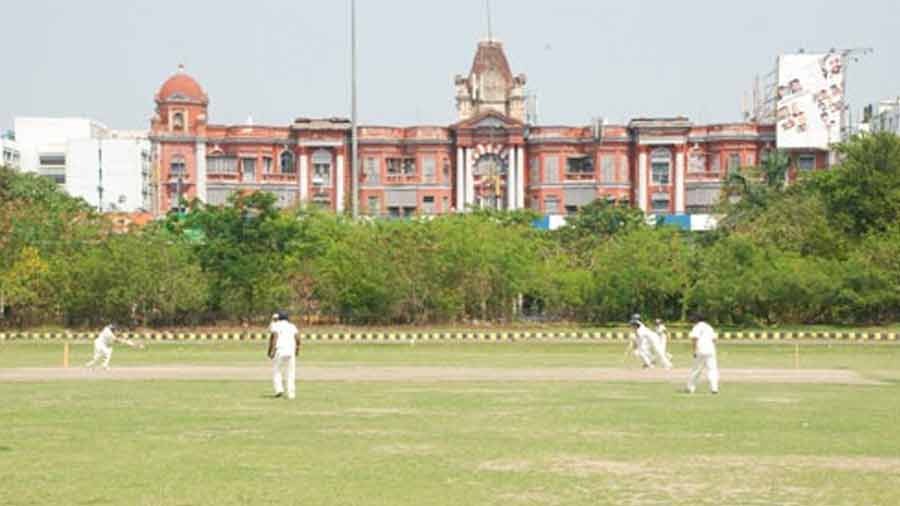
(354, 194)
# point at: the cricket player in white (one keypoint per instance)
(284, 346)
(704, 338)
(648, 343)
(103, 346)
(663, 333)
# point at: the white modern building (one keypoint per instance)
(9, 151)
(110, 169)
(883, 116)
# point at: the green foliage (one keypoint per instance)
(598, 221)
(243, 252)
(863, 194)
(141, 278)
(749, 191)
(25, 285)
(823, 249)
(645, 270)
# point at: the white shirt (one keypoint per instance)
(646, 335)
(662, 330)
(106, 337)
(285, 333)
(706, 337)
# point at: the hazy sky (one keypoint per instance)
(280, 59)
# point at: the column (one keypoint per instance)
(642, 181)
(339, 185)
(679, 181)
(520, 178)
(200, 155)
(470, 178)
(511, 179)
(304, 177)
(460, 179)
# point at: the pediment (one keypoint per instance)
(489, 119)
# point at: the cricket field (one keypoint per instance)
(450, 424)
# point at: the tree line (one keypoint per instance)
(822, 250)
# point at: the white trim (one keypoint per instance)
(200, 155)
(644, 140)
(313, 143)
(511, 182)
(460, 179)
(642, 182)
(470, 178)
(520, 178)
(679, 182)
(339, 184)
(304, 177)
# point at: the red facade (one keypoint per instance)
(490, 158)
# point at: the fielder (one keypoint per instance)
(284, 346)
(704, 338)
(664, 337)
(648, 343)
(103, 346)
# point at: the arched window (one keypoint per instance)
(661, 166)
(178, 121)
(287, 162)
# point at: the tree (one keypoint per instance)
(795, 221)
(645, 270)
(748, 191)
(244, 251)
(24, 287)
(141, 278)
(862, 193)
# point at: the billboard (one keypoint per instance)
(810, 100)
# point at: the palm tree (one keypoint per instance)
(749, 190)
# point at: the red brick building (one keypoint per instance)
(491, 157)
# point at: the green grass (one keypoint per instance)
(224, 443)
(495, 443)
(860, 357)
(522, 326)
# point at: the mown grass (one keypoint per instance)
(867, 358)
(226, 443)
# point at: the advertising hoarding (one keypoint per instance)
(810, 100)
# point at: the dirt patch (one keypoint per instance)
(584, 466)
(505, 466)
(766, 464)
(404, 449)
(529, 497)
(365, 432)
(436, 374)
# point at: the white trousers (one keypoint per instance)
(101, 353)
(648, 347)
(284, 374)
(708, 362)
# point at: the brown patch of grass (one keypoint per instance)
(405, 449)
(505, 466)
(582, 466)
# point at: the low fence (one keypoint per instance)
(408, 337)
